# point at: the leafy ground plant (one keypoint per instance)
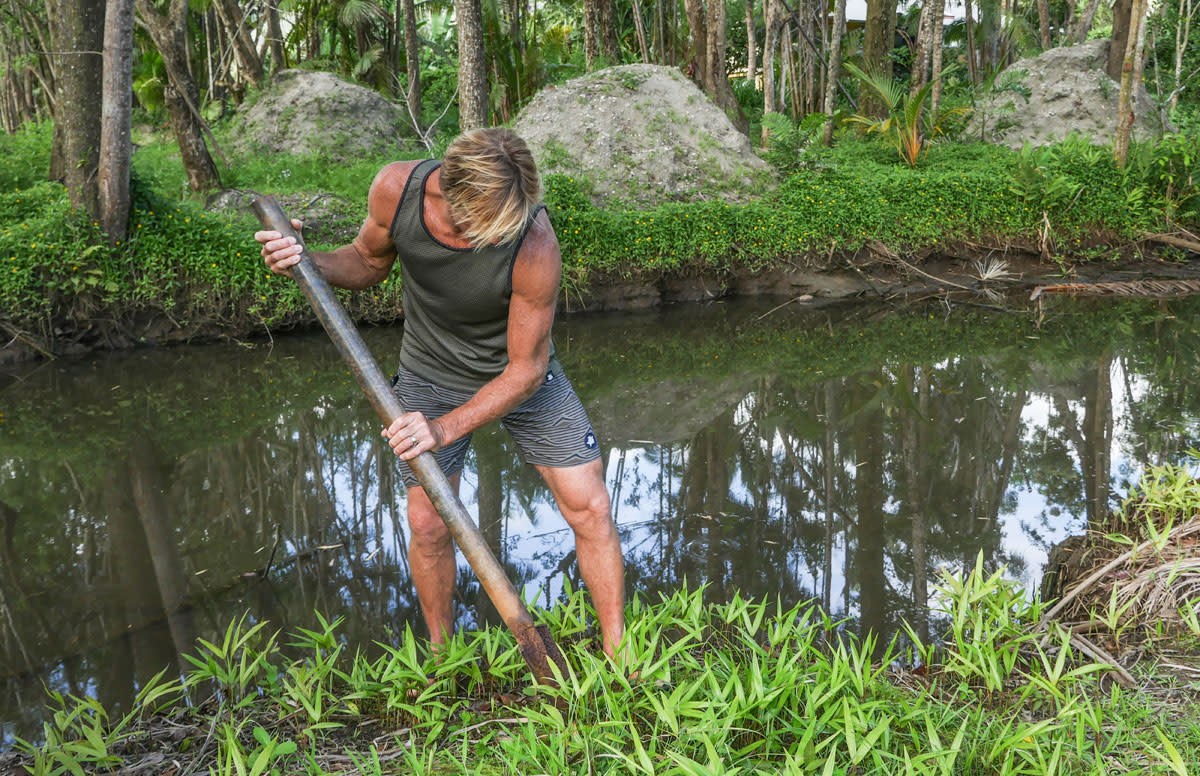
(744, 687)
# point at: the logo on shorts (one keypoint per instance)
(589, 440)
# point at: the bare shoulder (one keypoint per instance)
(538, 264)
(388, 186)
(541, 243)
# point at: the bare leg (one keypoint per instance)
(583, 500)
(431, 563)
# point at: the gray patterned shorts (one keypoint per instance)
(551, 428)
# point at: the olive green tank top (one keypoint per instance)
(455, 300)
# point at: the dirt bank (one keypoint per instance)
(869, 272)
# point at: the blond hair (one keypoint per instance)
(491, 184)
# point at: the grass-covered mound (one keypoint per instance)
(184, 273)
(736, 688)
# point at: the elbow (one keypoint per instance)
(530, 378)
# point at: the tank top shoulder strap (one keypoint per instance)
(408, 209)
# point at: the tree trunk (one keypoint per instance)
(660, 36)
(278, 59)
(877, 44)
(1183, 30)
(606, 19)
(1043, 7)
(770, 43)
(921, 58)
(591, 34)
(116, 149)
(1131, 78)
(77, 32)
(169, 34)
(472, 67)
(639, 26)
(751, 46)
(243, 46)
(937, 40)
(835, 67)
(972, 62)
(1120, 37)
(412, 59)
(722, 92)
(1084, 25)
(698, 24)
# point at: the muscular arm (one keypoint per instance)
(365, 261)
(536, 275)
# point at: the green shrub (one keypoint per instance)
(25, 156)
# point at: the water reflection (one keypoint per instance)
(842, 455)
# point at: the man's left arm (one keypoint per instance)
(537, 272)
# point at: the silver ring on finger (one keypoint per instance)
(413, 440)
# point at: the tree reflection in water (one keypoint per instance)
(843, 456)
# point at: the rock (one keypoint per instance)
(328, 219)
(641, 134)
(304, 112)
(1069, 91)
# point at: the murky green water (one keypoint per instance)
(844, 454)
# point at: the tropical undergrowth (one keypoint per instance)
(184, 272)
(736, 688)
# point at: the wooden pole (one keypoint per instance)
(535, 642)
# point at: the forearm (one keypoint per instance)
(492, 402)
(347, 268)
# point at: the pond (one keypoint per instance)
(845, 453)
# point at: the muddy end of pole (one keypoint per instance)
(538, 648)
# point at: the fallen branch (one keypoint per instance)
(887, 253)
(1081, 643)
(1123, 288)
(1178, 242)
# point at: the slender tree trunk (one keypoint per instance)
(1131, 78)
(169, 34)
(921, 58)
(77, 30)
(794, 79)
(972, 62)
(835, 67)
(639, 26)
(938, 40)
(116, 149)
(472, 66)
(278, 58)
(1183, 31)
(770, 43)
(751, 46)
(249, 64)
(412, 59)
(1084, 24)
(660, 36)
(1044, 22)
(1121, 28)
(785, 66)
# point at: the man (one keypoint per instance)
(481, 269)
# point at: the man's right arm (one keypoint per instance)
(369, 258)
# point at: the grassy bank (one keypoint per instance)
(185, 273)
(737, 688)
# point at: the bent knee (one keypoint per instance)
(591, 514)
(427, 525)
